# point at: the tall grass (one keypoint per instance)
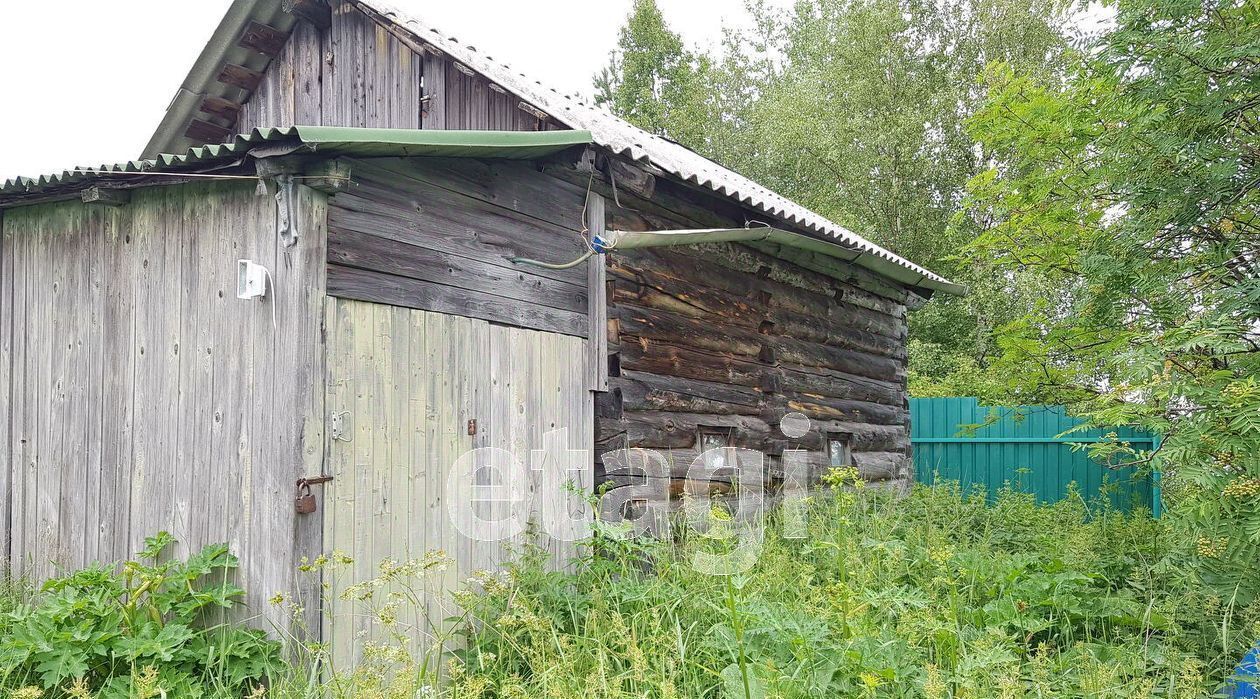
(934, 595)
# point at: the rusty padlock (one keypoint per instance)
(305, 503)
(305, 500)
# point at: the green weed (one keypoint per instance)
(139, 632)
(938, 594)
(933, 595)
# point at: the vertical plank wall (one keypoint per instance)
(142, 395)
(358, 74)
(408, 382)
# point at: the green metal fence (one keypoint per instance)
(1020, 447)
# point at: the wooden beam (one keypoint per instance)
(263, 38)
(433, 114)
(317, 12)
(597, 310)
(533, 111)
(108, 197)
(222, 108)
(328, 176)
(206, 132)
(240, 76)
(626, 176)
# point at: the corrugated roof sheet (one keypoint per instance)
(333, 140)
(632, 142)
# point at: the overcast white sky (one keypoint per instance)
(86, 81)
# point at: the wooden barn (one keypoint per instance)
(342, 290)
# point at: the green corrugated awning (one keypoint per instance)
(520, 145)
(330, 140)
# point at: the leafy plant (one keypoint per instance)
(1130, 188)
(114, 634)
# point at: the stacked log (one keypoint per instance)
(728, 338)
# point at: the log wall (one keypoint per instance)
(699, 342)
(730, 338)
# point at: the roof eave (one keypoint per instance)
(330, 141)
(202, 77)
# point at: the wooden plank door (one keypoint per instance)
(409, 392)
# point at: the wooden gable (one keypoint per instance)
(349, 68)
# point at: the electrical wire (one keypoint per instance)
(548, 265)
(209, 176)
(91, 171)
(585, 235)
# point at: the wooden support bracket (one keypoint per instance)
(278, 165)
(222, 108)
(207, 132)
(240, 76)
(328, 176)
(317, 12)
(105, 196)
(263, 38)
(533, 111)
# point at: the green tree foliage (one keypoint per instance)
(652, 80)
(1130, 190)
(855, 108)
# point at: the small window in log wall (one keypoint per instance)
(713, 441)
(839, 453)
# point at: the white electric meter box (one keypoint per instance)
(251, 280)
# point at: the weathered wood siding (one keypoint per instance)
(142, 395)
(724, 337)
(435, 234)
(732, 338)
(416, 390)
(357, 73)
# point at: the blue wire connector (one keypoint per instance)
(601, 245)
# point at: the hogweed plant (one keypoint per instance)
(150, 627)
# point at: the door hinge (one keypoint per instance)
(341, 427)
